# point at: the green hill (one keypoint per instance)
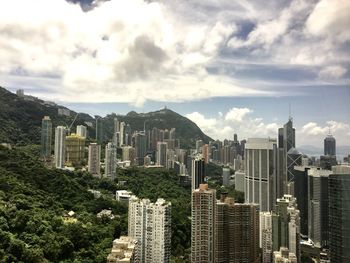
(186, 130)
(33, 200)
(20, 119)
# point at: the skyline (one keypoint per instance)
(200, 58)
(250, 119)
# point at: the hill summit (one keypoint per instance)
(21, 115)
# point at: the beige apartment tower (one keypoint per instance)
(203, 224)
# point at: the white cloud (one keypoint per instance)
(121, 51)
(134, 51)
(312, 128)
(332, 72)
(236, 120)
(313, 133)
(237, 114)
(310, 133)
(330, 18)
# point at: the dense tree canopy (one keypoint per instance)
(34, 201)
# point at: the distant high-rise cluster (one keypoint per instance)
(293, 204)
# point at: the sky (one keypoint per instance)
(230, 66)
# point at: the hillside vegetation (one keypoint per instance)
(21, 121)
(34, 200)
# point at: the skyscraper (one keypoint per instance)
(294, 158)
(162, 154)
(128, 154)
(203, 224)
(318, 205)
(226, 173)
(205, 152)
(94, 159)
(122, 134)
(60, 146)
(140, 147)
(286, 141)
(259, 165)
(75, 149)
(110, 161)
(46, 137)
(339, 214)
(286, 225)
(266, 236)
(301, 186)
(236, 232)
(82, 131)
(198, 171)
(199, 144)
(329, 145)
(116, 125)
(150, 224)
(128, 135)
(99, 130)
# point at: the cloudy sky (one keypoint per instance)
(229, 65)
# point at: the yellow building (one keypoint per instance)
(75, 149)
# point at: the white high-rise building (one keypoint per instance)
(122, 134)
(266, 236)
(239, 180)
(161, 153)
(94, 159)
(82, 131)
(259, 161)
(60, 146)
(150, 224)
(110, 160)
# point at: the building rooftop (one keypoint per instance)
(341, 169)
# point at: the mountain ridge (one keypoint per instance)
(21, 120)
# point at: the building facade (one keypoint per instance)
(236, 232)
(286, 225)
(198, 171)
(329, 145)
(82, 131)
(266, 236)
(203, 210)
(318, 204)
(150, 224)
(259, 165)
(46, 138)
(110, 161)
(161, 157)
(339, 214)
(75, 149)
(94, 159)
(60, 146)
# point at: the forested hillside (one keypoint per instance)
(20, 120)
(34, 200)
